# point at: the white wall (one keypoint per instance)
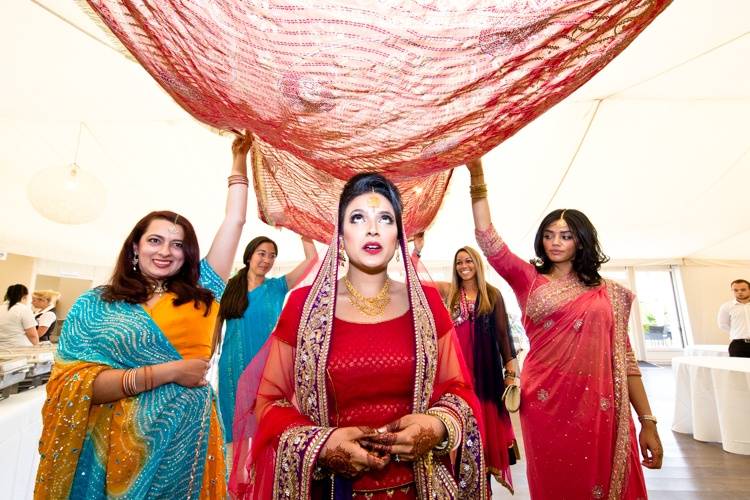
(706, 288)
(16, 269)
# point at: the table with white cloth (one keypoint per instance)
(707, 350)
(712, 400)
(20, 429)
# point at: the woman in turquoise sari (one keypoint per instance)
(129, 413)
(251, 305)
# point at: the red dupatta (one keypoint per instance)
(292, 403)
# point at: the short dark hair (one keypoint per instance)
(588, 257)
(740, 281)
(366, 183)
(15, 293)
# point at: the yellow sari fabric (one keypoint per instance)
(69, 393)
(191, 334)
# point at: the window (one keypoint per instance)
(658, 308)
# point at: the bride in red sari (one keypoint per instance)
(363, 393)
(580, 376)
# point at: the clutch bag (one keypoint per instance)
(512, 398)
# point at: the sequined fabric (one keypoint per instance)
(243, 338)
(155, 444)
(578, 434)
(335, 87)
(310, 362)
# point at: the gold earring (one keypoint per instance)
(342, 255)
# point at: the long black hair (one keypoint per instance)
(234, 301)
(588, 258)
(15, 294)
(369, 183)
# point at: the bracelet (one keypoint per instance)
(148, 374)
(129, 385)
(237, 179)
(649, 418)
(451, 426)
(478, 191)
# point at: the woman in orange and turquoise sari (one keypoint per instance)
(129, 413)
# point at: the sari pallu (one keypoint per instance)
(292, 406)
(575, 409)
(152, 445)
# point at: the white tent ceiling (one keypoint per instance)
(655, 149)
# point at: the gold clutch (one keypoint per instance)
(512, 398)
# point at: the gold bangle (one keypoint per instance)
(478, 192)
(649, 418)
(478, 188)
(451, 428)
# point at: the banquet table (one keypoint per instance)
(20, 429)
(712, 400)
(707, 350)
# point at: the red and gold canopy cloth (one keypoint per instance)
(409, 88)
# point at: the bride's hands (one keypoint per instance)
(408, 438)
(343, 454)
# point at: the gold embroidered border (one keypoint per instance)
(550, 296)
(313, 341)
(425, 336)
(489, 241)
(621, 299)
(471, 466)
(633, 368)
(295, 461)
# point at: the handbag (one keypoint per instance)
(512, 398)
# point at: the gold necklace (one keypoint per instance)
(369, 306)
(160, 289)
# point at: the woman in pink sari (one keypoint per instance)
(580, 376)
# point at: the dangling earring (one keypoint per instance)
(342, 256)
(135, 262)
(537, 261)
(398, 256)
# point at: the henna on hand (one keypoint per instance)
(424, 441)
(367, 431)
(393, 426)
(339, 461)
(379, 448)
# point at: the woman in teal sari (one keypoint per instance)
(251, 305)
(129, 413)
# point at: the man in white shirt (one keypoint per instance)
(734, 317)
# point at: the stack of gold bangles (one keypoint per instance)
(451, 425)
(129, 386)
(238, 179)
(478, 191)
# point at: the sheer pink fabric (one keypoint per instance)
(269, 396)
(569, 409)
(335, 87)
